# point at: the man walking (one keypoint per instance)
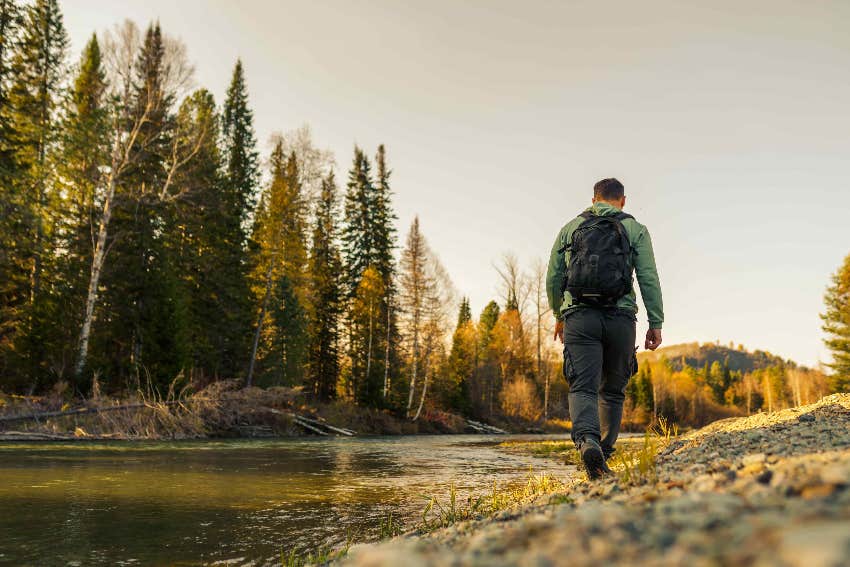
(590, 291)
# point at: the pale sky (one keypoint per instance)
(727, 122)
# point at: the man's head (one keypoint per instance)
(610, 191)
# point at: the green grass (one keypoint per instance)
(323, 555)
(443, 513)
(638, 463)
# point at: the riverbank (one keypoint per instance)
(222, 410)
(769, 489)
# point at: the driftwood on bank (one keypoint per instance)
(319, 427)
(479, 427)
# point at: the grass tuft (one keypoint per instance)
(639, 464)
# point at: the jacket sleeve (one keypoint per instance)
(647, 276)
(556, 274)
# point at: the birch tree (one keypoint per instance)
(134, 104)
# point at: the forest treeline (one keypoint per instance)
(146, 242)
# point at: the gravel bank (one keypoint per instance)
(765, 490)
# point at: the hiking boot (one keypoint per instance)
(593, 459)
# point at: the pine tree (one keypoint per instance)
(13, 275)
(211, 258)
(39, 71)
(836, 323)
(10, 22)
(464, 314)
(357, 233)
(463, 360)
(382, 220)
(488, 373)
(326, 299)
(241, 169)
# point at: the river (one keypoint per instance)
(231, 502)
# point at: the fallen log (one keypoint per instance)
(484, 428)
(313, 423)
(309, 427)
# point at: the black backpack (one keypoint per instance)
(600, 268)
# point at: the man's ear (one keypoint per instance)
(593, 201)
(623, 202)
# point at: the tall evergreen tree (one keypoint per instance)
(382, 219)
(357, 232)
(35, 95)
(211, 257)
(10, 21)
(836, 323)
(463, 360)
(368, 238)
(39, 71)
(13, 280)
(241, 159)
(326, 299)
(464, 314)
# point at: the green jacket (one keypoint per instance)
(643, 260)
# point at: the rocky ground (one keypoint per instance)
(766, 490)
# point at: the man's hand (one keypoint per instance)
(559, 330)
(653, 339)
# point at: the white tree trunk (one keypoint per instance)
(387, 354)
(412, 374)
(94, 278)
(424, 391)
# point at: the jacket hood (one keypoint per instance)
(603, 209)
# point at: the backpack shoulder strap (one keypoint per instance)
(586, 215)
(621, 216)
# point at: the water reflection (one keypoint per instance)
(240, 501)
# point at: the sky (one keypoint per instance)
(726, 121)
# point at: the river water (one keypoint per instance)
(233, 502)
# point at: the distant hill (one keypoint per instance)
(697, 355)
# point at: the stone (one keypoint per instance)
(806, 418)
(818, 491)
(753, 459)
(837, 473)
(816, 545)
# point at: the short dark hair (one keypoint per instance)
(608, 190)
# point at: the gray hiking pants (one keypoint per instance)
(598, 362)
